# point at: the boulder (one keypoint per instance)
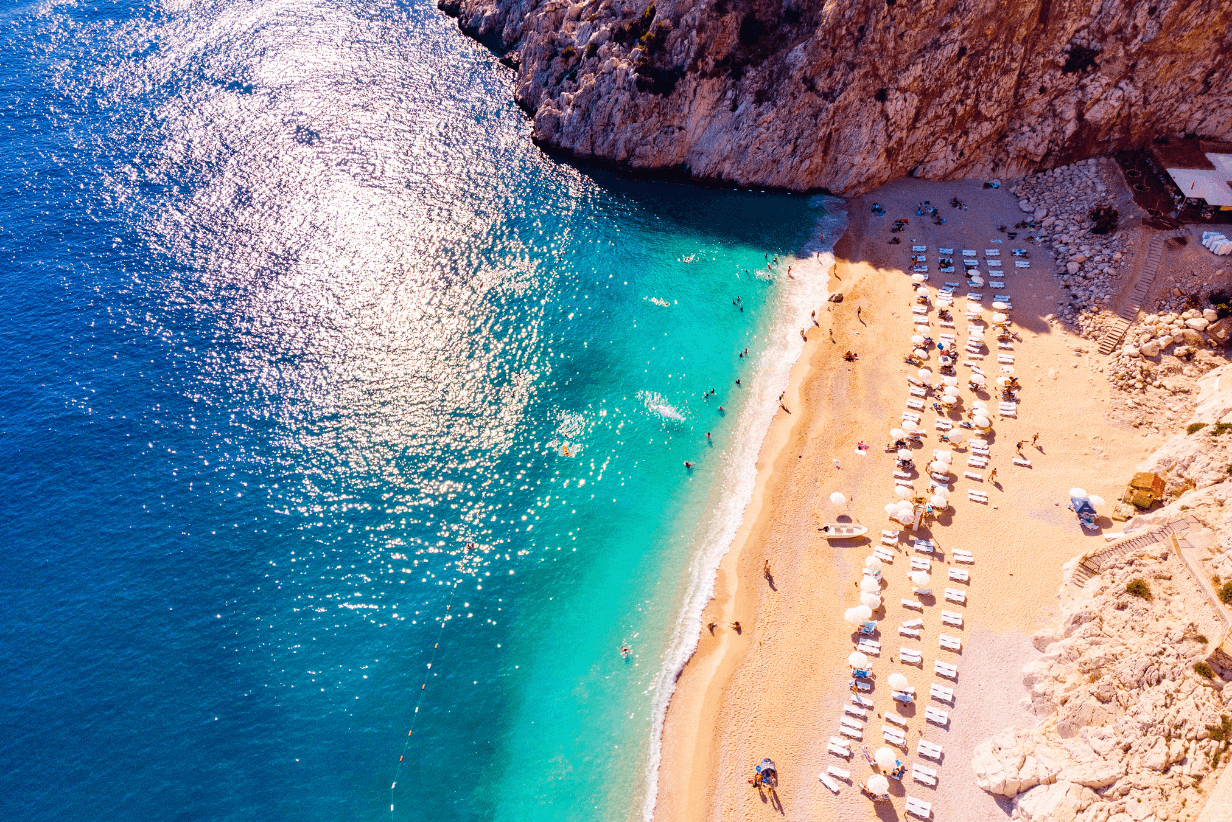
(1197, 323)
(1072, 267)
(1221, 330)
(1026, 206)
(836, 297)
(1210, 315)
(1149, 349)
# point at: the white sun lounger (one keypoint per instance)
(925, 546)
(955, 595)
(945, 323)
(839, 750)
(845, 722)
(975, 297)
(864, 701)
(977, 496)
(952, 618)
(976, 461)
(854, 733)
(959, 575)
(1021, 264)
(992, 252)
(915, 405)
(835, 770)
(921, 564)
(993, 263)
(919, 248)
(922, 592)
(944, 479)
(913, 603)
(1004, 346)
(944, 425)
(920, 808)
(917, 392)
(891, 716)
(894, 736)
(949, 643)
(945, 251)
(1008, 409)
(884, 555)
(936, 715)
(909, 656)
(921, 773)
(828, 782)
(914, 623)
(996, 283)
(945, 669)
(919, 309)
(852, 710)
(911, 417)
(980, 448)
(974, 475)
(929, 749)
(969, 252)
(911, 632)
(963, 556)
(1005, 359)
(941, 693)
(1022, 463)
(867, 646)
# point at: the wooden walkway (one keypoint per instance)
(1133, 303)
(1093, 563)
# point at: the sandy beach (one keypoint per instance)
(777, 688)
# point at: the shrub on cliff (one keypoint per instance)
(1139, 588)
(1104, 219)
(1204, 670)
(1225, 593)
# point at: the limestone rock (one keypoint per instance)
(1197, 323)
(1149, 349)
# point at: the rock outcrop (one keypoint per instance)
(805, 94)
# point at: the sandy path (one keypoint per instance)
(777, 689)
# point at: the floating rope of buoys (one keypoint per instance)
(422, 690)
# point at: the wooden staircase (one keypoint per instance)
(1133, 303)
(1091, 564)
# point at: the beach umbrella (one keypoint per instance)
(944, 456)
(949, 380)
(1000, 305)
(1003, 381)
(947, 360)
(978, 403)
(897, 433)
(1007, 369)
(977, 280)
(921, 289)
(891, 510)
(956, 436)
(981, 423)
(924, 374)
(948, 400)
(864, 612)
(938, 501)
(877, 785)
(852, 615)
(977, 379)
(918, 339)
(885, 758)
(999, 317)
(942, 492)
(1078, 493)
(920, 578)
(918, 278)
(903, 491)
(838, 499)
(938, 466)
(872, 563)
(904, 453)
(899, 683)
(869, 585)
(921, 353)
(871, 600)
(1095, 500)
(951, 391)
(857, 660)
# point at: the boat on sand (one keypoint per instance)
(843, 530)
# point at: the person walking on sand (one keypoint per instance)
(992, 476)
(736, 627)
(765, 569)
(1019, 447)
(1035, 440)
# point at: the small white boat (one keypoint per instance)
(843, 530)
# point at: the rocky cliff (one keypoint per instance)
(807, 94)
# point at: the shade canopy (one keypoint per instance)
(938, 501)
(924, 374)
(872, 563)
(1095, 500)
(956, 436)
(897, 433)
(885, 758)
(904, 454)
(877, 785)
(920, 578)
(869, 585)
(870, 600)
(898, 682)
(857, 660)
(838, 499)
(903, 491)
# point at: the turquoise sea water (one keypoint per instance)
(293, 313)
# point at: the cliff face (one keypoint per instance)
(847, 95)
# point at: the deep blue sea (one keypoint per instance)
(291, 312)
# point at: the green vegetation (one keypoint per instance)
(1139, 588)
(1202, 669)
(1223, 731)
(1195, 427)
(1225, 593)
(1201, 638)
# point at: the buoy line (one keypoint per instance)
(422, 689)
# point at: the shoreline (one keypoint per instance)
(776, 689)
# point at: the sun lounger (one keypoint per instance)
(941, 693)
(835, 770)
(869, 647)
(925, 546)
(1004, 346)
(894, 736)
(996, 283)
(944, 425)
(949, 643)
(1005, 359)
(973, 357)
(975, 297)
(853, 733)
(1021, 264)
(852, 710)
(914, 604)
(906, 699)
(902, 475)
(974, 475)
(909, 416)
(850, 723)
(952, 618)
(911, 632)
(1019, 252)
(917, 392)
(958, 575)
(955, 595)
(993, 263)
(839, 750)
(921, 564)
(936, 715)
(944, 479)
(916, 405)
(945, 669)
(919, 248)
(860, 684)
(945, 251)
(1022, 463)
(922, 592)
(861, 700)
(895, 718)
(919, 309)
(914, 623)
(1008, 409)
(977, 496)
(920, 269)
(883, 555)
(969, 252)
(920, 773)
(976, 461)
(909, 656)
(946, 269)
(828, 782)
(928, 749)
(992, 252)
(920, 808)
(946, 323)
(963, 556)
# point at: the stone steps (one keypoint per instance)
(1133, 303)
(1092, 564)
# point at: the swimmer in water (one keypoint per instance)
(625, 650)
(688, 465)
(564, 450)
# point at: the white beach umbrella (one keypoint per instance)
(857, 660)
(903, 491)
(977, 379)
(922, 330)
(918, 278)
(949, 380)
(885, 758)
(1000, 317)
(1078, 493)
(877, 785)
(978, 403)
(904, 454)
(938, 466)
(852, 615)
(1007, 369)
(947, 400)
(897, 433)
(920, 578)
(924, 374)
(942, 492)
(864, 612)
(869, 585)
(977, 280)
(871, 600)
(1095, 500)
(891, 509)
(1003, 381)
(956, 436)
(872, 563)
(938, 501)
(1000, 305)
(838, 499)
(917, 339)
(921, 353)
(906, 519)
(944, 456)
(951, 391)
(921, 289)
(899, 683)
